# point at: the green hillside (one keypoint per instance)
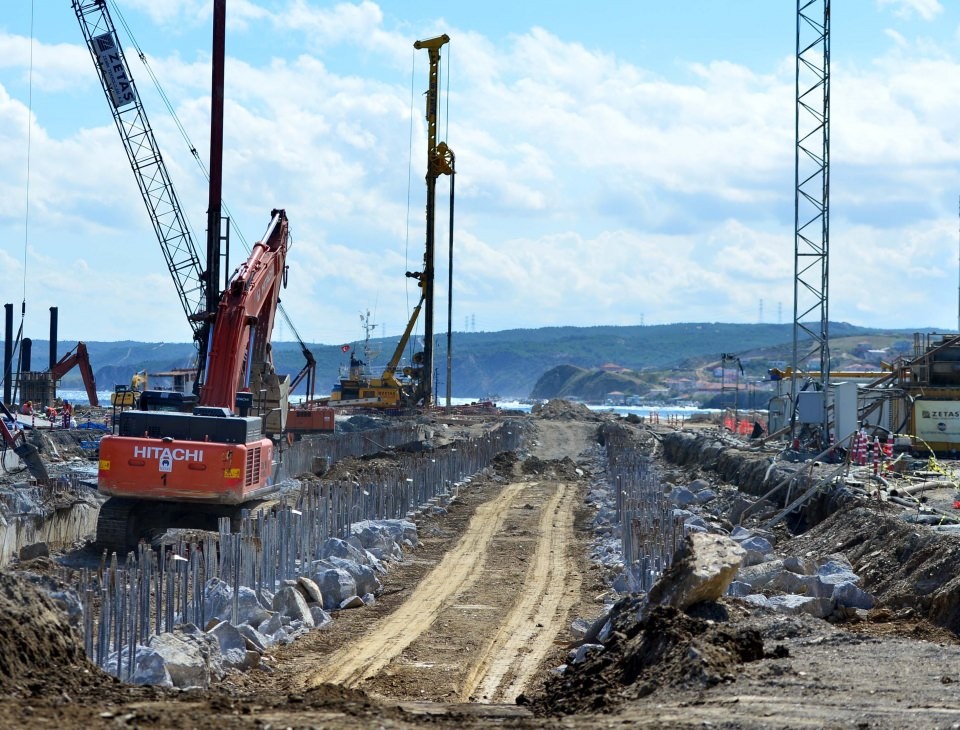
(510, 363)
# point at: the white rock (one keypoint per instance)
(149, 667)
(192, 657)
(288, 601)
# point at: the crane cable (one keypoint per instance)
(406, 243)
(26, 214)
(17, 350)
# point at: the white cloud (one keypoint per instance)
(49, 67)
(924, 9)
(590, 189)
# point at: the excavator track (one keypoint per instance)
(124, 522)
(116, 525)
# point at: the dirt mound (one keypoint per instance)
(505, 463)
(40, 653)
(564, 409)
(667, 649)
(359, 468)
(564, 468)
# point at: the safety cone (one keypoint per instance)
(888, 445)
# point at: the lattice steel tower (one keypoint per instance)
(812, 206)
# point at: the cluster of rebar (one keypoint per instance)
(151, 592)
(329, 449)
(649, 529)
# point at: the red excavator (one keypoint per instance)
(77, 357)
(178, 463)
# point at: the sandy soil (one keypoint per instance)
(480, 612)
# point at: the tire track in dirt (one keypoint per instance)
(459, 569)
(526, 636)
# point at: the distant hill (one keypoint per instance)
(509, 364)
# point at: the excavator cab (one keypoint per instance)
(167, 400)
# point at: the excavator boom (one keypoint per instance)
(78, 357)
(247, 307)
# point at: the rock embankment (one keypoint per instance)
(905, 567)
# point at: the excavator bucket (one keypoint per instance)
(31, 458)
(21, 447)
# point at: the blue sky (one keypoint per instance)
(617, 162)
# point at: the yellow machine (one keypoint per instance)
(128, 398)
(387, 391)
(415, 389)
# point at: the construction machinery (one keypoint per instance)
(440, 161)
(187, 460)
(127, 397)
(25, 451)
(77, 357)
(356, 388)
(150, 171)
(178, 463)
(197, 287)
(310, 415)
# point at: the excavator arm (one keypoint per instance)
(21, 447)
(78, 357)
(308, 372)
(241, 334)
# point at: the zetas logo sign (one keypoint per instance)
(114, 73)
(166, 456)
(937, 421)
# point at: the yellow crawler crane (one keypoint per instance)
(387, 391)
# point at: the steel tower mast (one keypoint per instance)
(812, 204)
(439, 162)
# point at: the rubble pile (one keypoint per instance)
(30, 514)
(648, 642)
(564, 410)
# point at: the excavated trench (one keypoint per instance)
(756, 473)
(910, 569)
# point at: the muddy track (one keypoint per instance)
(457, 571)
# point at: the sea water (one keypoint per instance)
(79, 398)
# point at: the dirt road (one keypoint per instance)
(480, 624)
